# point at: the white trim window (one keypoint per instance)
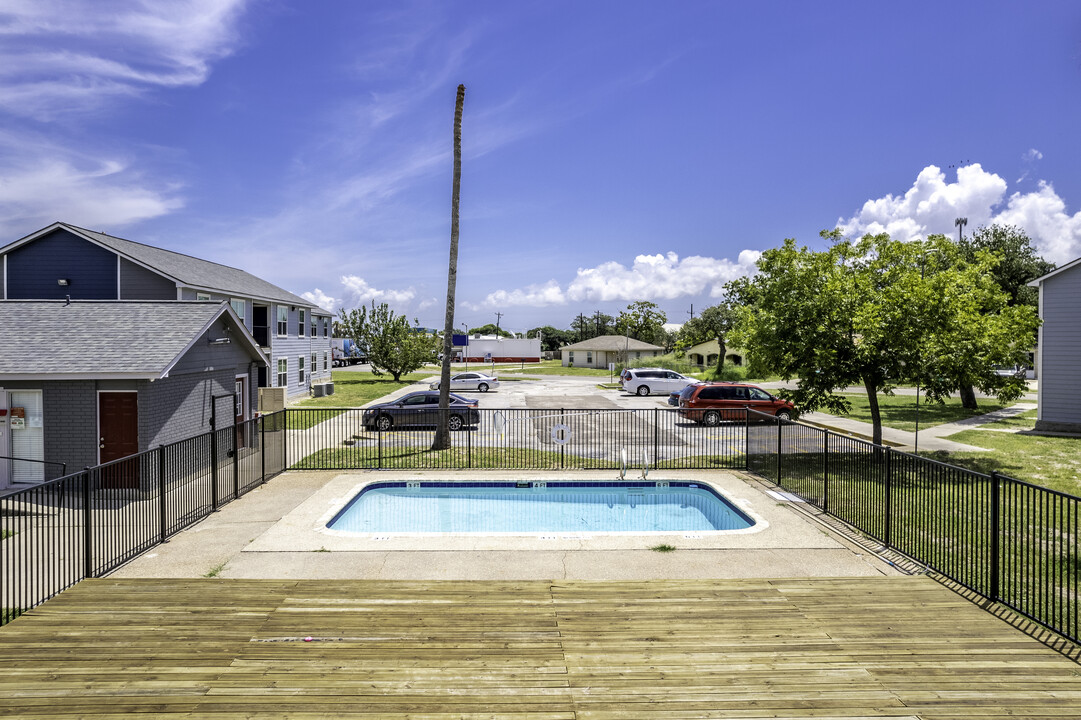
(283, 372)
(239, 307)
(300, 322)
(315, 363)
(283, 320)
(202, 297)
(300, 369)
(326, 327)
(312, 323)
(325, 362)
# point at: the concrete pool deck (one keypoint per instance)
(278, 531)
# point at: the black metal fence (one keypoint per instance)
(1006, 539)
(90, 522)
(534, 439)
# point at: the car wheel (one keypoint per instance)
(483, 387)
(785, 415)
(383, 422)
(454, 423)
(643, 390)
(712, 418)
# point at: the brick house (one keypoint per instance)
(88, 382)
(65, 261)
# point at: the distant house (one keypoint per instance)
(1058, 358)
(90, 381)
(489, 348)
(705, 354)
(598, 352)
(64, 261)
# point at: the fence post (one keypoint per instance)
(285, 438)
(889, 496)
(162, 512)
(88, 533)
(656, 431)
(825, 471)
(469, 446)
(996, 535)
(262, 449)
(379, 436)
(236, 460)
(779, 452)
(561, 419)
(213, 467)
(747, 439)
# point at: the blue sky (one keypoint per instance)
(613, 151)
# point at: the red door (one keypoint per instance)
(118, 437)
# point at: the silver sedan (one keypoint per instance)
(470, 381)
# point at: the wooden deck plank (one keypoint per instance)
(823, 648)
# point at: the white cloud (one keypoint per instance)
(109, 48)
(659, 277)
(41, 183)
(359, 292)
(932, 204)
(321, 299)
(533, 295)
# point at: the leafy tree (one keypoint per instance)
(490, 329)
(393, 346)
(1017, 264)
(551, 338)
(441, 441)
(715, 322)
(863, 312)
(642, 320)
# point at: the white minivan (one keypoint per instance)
(644, 381)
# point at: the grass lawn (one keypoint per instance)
(554, 367)
(1051, 462)
(899, 411)
(353, 389)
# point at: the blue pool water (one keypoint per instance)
(508, 507)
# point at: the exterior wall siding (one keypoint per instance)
(292, 347)
(138, 283)
(33, 269)
(1060, 349)
(179, 407)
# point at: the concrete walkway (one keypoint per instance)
(931, 438)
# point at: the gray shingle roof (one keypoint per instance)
(194, 271)
(611, 343)
(99, 338)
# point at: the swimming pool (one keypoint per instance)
(538, 507)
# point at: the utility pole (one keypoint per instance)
(692, 311)
(581, 326)
(498, 317)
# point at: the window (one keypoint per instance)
(325, 366)
(313, 333)
(202, 296)
(326, 326)
(283, 321)
(300, 322)
(570, 356)
(589, 357)
(315, 364)
(238, 307)
(300, 369)
(283, 372)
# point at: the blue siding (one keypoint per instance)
(34, 268)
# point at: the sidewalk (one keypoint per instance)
(931, 438)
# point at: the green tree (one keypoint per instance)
(713, 323)
(393, 346)
(490, 329)
(865, 313)
(1017, 264)
(642, 320)
(441, 441)
(551, 338)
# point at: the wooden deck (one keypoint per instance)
(847, 648)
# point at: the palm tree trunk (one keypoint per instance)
(442, 434)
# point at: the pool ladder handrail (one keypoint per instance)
(645, 464)
(622, 463)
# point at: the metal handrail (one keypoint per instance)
(63, 466)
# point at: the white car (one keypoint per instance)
(646, 381)
(470, 381)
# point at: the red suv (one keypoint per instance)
(710, 403)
